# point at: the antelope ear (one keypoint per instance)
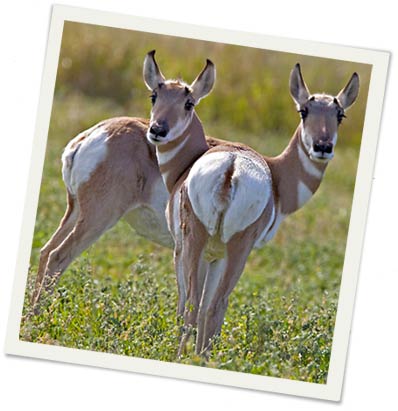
(152, 75)
(298, 88)
(348, 95)
(203, 84)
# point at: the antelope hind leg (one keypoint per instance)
(64, 229)
(226, 273)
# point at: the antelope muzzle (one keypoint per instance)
(158, 131)
(323, 147)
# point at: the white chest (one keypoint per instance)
(303, 194)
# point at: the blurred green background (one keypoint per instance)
(120, 295)
(251, 93)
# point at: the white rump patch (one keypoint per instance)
(242, 205)
(204, 182)
(80, 159)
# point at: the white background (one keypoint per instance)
(371, 372)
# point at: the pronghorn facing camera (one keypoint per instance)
(174, 124)
(178, 135)
(110, 172)
(232, 199)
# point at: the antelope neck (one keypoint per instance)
(179, 154)
(295, 176)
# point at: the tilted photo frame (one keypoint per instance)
(288, 322)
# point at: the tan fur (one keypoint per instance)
(237, 251)
(124, 179)
(321, 120)
(178, 164)
(123, 182)
(206, 296)
(170, 100)
(172, 144)
(227, 184)
(287, 171)
(193, 249)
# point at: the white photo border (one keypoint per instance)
(329, 391)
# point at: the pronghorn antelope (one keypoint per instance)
(231, 199)
(110, 171)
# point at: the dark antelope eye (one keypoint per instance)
(188, 105)
(303, 112)
(153, 98)
(340, 116)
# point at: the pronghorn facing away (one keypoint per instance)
(231, 199)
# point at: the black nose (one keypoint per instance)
(323, 147)
(159, 130)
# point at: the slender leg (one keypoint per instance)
(194, 265)
(182, 293)
(225, 274)
(221, 280)
(95, 216)
(64, 229)
(84, 234)
(214, 275)
(173, 219)
(194, 239)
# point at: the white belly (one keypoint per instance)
(149, 219)
(150, 224)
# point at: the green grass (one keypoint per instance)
(120, 295)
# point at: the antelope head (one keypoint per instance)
(173, 101)
(321, 114)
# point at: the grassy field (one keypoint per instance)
(120, 295)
